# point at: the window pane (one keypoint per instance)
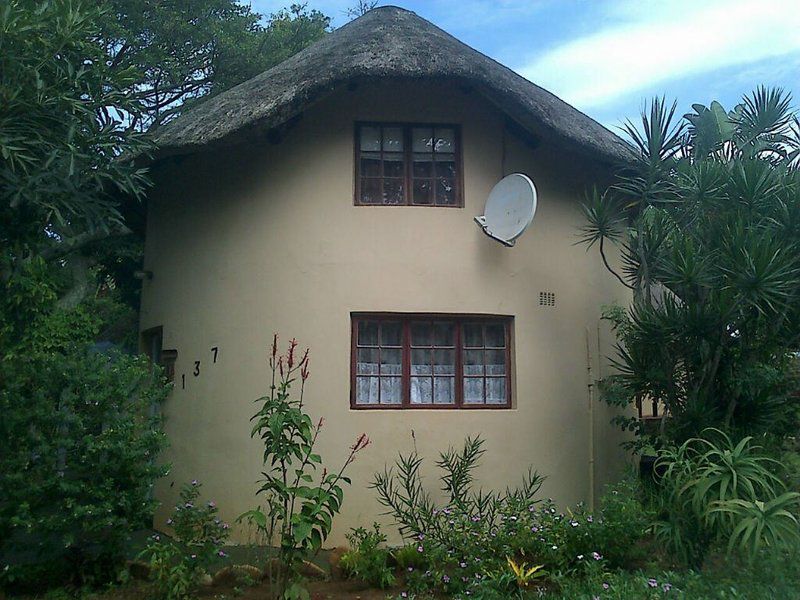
(420, 362)
(370, 139)
(421, 334)
(423, 167)
(445, 192)
(392, 139)
(445, 166)
(444, 362)
(393, 165)
(370, 164)
(495, 362)
(495, 390)
(443, 334)
(366, 390)
(371, 191)
(422, 139)
(391, 333)
(473, 335)
(367, 361)
(473, 390)
(473, 362)
(444, 390)
(421, 390)
(445, 139)
(495, 336)
(423, 191)
(393, 191)
(390, 390)
(367, 333)
(391, 362)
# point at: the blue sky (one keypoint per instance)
(606, 57)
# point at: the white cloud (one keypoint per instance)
(644, 43)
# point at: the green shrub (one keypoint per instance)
(408, 558)
(716, 490)
(177, 562)
(78, 441)
(299, 510)
(465, 545)
(368, 559)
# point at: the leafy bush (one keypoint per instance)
(368, 559)
(705, 217)
(78, 443)
(177, 562)
(470, 543)
(714, 489)
(299, 512)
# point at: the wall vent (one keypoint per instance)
(547, 298)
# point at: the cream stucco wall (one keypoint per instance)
(261, 239)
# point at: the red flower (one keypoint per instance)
(304, 371)
(290, 354)
(361, 443)
(274, 345)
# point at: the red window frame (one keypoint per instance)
(459, 320)
(408, 176)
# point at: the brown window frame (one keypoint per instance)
(408, 176)
(406, 319)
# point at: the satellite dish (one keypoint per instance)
(509, 209)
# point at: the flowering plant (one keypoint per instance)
(176, 563)
(299, 510)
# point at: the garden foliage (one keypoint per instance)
(177, 562)
(713, 489)
(477, 541)
(707, 219)
(299, 506)
(368, 559)
(79, 438)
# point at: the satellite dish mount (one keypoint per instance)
(509, 209)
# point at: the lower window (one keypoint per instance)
(441, 361)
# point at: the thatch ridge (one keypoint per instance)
(386, 42)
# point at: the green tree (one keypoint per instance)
(707, 218)
(187, 50)
(62, 115)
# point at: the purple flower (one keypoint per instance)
(194, 555)
(590, 519)
(169, 521)
(212, 504)
(580, 556)
(410, 569)
(652, 583)
(597, 556)
(194, 481)
(573, 523)
(463, 565)
(222, 553)
(403, 594)
(445, 578)
(225, 526)
(605, 586)
(666, 587)
(420, 549)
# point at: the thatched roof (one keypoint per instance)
(386, 42)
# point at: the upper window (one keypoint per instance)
(414, 361)
(418, 165)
